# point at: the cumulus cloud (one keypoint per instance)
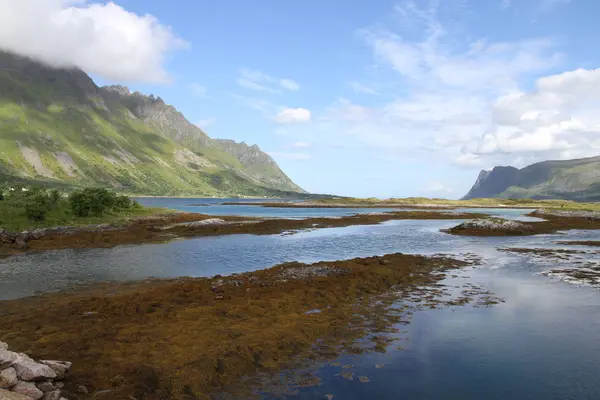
(103, 39)
(261, 82)
(293, 116)
(557, 119)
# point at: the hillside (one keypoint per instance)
(569, 179)
(57, 127)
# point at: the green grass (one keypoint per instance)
(14, 218)
(487, 202)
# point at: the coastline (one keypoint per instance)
(170, 226)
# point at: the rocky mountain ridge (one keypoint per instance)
(577, 179)
(57, 127)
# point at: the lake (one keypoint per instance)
(542, 343)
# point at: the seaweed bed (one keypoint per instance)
(179, 225)
(229, 336)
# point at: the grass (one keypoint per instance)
(487, 202)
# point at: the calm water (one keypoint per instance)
(543, 343)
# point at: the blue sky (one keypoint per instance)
(366, 98)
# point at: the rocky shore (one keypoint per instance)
(552, 221)
(23, 378)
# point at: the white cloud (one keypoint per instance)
(445, 93)
(205, 123)
(103, 39)
(302, 145)
(361, 89)
(557, 119)
(199, 90)
(439, 187)
(261, 82)
(289, 84)
(293, 116)
(290, 156)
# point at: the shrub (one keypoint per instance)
(37, 205)
(96, 202)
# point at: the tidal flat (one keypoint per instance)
(195, 338)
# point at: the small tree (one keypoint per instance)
(37, 205)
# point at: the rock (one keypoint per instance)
(82, 389)
(46, 386)
(28, 389)
(219, 297)
(29, 370)
(20, 242)
(3, 346)
(6, 395)
(53, 395)
(8, 377)
(59, 367)
(59, 385)
(7, 358)
(383, 261)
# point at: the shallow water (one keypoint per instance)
(543, 343)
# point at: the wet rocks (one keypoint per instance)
(23, 378)
(593, 215)
(492, 226)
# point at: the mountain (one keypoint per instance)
(57, 127)
(569, 179)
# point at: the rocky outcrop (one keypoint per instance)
(23, 378)
(490, 226)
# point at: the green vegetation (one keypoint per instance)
(484, 202)
(24, 208)
(58, 129)
(577, 180)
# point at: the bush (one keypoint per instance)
(37, 205)
(96, 202)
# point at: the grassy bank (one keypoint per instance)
(192, 338)
(30, 208)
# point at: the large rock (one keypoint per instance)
(29, 370)
(28, 389)
(46, 386)
(6, 395)
(3, 346)
(59, 367)
(7, 358)
(53, 395)
(8, 377)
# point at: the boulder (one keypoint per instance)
(8, 377)
(46, 386)
(28, 389)
(3, 346)
(6, 395)
(21, 242)
(53, 395)
(7, 358)
(29, 370)
(59, 367)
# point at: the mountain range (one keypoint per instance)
(566, 179)
(57, 127)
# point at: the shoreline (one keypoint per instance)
(170, 226)
(219, 323)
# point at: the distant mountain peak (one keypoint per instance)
(563, 179)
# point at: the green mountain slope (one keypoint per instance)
(570, 179)
(58, 128)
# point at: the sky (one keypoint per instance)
(364, 98)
